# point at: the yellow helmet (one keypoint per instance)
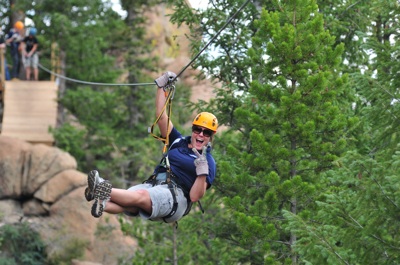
(206, 120)
(19, 25)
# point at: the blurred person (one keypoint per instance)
(13, 40)
(30, 57)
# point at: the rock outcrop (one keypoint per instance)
(41, 185)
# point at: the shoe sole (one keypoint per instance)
(92, 182)
(97, 209)
(101, 195)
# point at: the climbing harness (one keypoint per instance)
(164, 175)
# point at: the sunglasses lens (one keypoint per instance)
(207, 132)
(198, 130)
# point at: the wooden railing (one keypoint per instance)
(55, 60)
(2, 74)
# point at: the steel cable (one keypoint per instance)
(148, 84)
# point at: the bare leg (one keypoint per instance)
(28, 73)
(114, 208)
(132, 201)
(36, 73)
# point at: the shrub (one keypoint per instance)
(20, 244)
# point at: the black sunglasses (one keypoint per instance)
(198, 130)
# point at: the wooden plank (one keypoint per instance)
(30, 109)
(39, 110)
(27, 126)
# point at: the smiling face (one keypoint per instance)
(200, 137)
(204, 126)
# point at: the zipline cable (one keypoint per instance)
(212, 39)
(91, 83)
(148, 84)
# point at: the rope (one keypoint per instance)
(91, 83)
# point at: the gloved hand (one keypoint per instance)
(201, 162)
(165, 79)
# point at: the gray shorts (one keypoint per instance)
(31, 61)
(162, 202)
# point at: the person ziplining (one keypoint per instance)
(186, 171)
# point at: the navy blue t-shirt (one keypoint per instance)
(181, 160)
(16, 42)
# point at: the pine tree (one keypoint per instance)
(289, 128)
(356, 221)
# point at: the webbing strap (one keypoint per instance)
(172, 189)
(166, 108)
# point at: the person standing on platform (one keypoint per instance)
(30, 57)
(14, 38)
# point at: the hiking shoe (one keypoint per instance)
(102, 194)
(93, 180)
(98, 190)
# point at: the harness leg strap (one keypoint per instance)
(175, 206)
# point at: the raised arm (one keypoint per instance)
(163, 121)
(161, 83)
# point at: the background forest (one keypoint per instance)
(308, 165)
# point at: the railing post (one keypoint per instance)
(2, 74)
(55, 60)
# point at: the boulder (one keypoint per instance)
(41, 185)
(25, 167)
(61, 184)
(10, 211)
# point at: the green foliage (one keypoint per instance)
(195, 239)
(358, 214)
(71, 139)
(84, 31)
(152, 238)
(20, 244)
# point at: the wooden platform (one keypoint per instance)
(30, 108)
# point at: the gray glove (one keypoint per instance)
(165, 79)
(201, 162)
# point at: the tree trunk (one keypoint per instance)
(175, 244)
(61, 91)
(293, 237)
